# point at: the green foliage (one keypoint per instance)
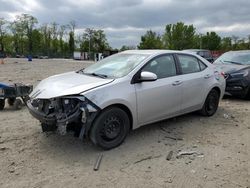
(179, 36)
(150, 41)
(211, 41)
(24, 36)
(2, 33)
(26, 23)
(124, 47)
(92, 40)
(226, 43)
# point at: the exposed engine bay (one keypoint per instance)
(64, 114)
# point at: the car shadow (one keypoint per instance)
(234, 98)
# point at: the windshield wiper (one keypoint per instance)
(97, 74)
(233, 62)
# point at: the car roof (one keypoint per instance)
(240, 51)
(195, 50)
(152, 52)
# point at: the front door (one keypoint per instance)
(159, 99)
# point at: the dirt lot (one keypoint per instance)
(30, 158)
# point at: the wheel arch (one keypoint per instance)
(118, 105)
(217, 89)
(125, 109)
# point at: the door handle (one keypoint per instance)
(176, 83)
(207, 76)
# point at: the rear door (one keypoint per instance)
(159, 99)
(196, 77)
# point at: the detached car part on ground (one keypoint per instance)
(14, 94)
(125, 91)
(236, 65)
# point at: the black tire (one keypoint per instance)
(2, 104)
(18, 104)
(110, 128)
(211, 104)
(11, 101)
(48, 128)
(247, 96)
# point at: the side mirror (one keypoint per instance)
(148, 76)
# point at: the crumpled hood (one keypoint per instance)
(66, 84)
(229, 68)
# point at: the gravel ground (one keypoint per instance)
(30, 158)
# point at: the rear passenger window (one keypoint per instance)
(189, 64)
(202, 66)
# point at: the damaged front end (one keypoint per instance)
(64, 114)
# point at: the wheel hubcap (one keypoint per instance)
(112, 128)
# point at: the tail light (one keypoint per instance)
(224, 74)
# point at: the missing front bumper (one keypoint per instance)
(62, 119)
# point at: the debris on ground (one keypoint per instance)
(3, 148)
(169, 156)
(173, 138)
(98, 162)
(183, 153)
(169, 180)
(226, 116)
(147, 158)
(11, 171)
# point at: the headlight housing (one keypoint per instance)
(240, 74)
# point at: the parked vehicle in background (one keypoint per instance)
(236, 65)
(2, 55)
(14, 94)
(125, 91)
(206, 54)
(77, 55)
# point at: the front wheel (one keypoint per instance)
(110, 128)
(211, 104)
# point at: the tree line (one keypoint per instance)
(180, 36)
(25, 36)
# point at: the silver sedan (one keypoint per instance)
(125, 91)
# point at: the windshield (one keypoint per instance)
(241, 58)
(115, 66)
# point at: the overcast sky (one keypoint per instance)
(124, 21)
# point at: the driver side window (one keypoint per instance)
(163, 66)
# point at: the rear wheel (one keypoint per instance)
(110, 128)
(211, 104)
(2, 104)
(11, 101)
(247, 96)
